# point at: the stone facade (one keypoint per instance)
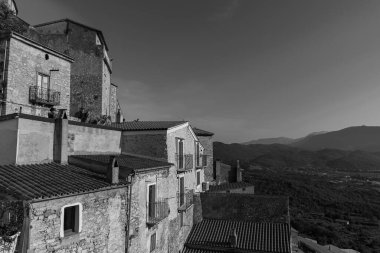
(104, 218)
(114, 105)
(24, 61)
(151, 144)
(91, 71)
(208, 150)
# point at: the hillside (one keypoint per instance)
(267, 141)
(282, 156)
(365, 138)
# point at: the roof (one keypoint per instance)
(212, 235)
(314, 246)
(147, 125)
(243, 206)
(41, 181)
(35, 44)
(100, 33)
(200, 132)
(127, 163)
(229, 186)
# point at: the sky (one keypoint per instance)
(243, 69)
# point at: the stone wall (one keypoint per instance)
(104, 219)
(224, 173)
(113, 102)
(207, 143)
(151, 144)
(87, 139)
(8, 143)
(90, 78)
(25, 62)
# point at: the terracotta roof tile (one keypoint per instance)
(210, 235)
(200, 132)
(147, 125)
(40, 181)
(229, 186)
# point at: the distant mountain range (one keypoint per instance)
(365, 138)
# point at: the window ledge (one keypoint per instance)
(70, 238)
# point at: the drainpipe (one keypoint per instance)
(130, 181)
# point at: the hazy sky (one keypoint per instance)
(244, 69)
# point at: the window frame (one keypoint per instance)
(147, 194)
(152, 249)
(42, 76)
(198, 176)
(80, 210)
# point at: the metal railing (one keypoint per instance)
(45, 96)
(184, 162)
(185, 200)
(157, 211)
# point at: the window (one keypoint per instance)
(152, 242)
(180, 220)
(181, 191)
(198, 177)
(43, 81)
(71, 219)
(152, 201)
(180, 158)
(197, 154)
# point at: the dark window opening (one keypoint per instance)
(71, 220)
(153, 242)
(198, 177)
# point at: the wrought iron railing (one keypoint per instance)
(157, 211)
(185, 200)
(184, 162)
(45, 96)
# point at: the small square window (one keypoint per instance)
(152, 242)
(71, 223)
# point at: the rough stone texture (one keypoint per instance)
(90, 77)
(139, 231)
(224, 173)
(23, 64)
(93, 140)
(142, 143)
(103, 223)
(113, 102)
(207, 143)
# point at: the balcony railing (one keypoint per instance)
(185, 200)
(44, 96)
(157, 211)
(184, 162)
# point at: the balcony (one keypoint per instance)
(201, 161)
(44, 96)
(185, 200)
(184, 162)
(157, 211)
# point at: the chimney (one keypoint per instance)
(61, 128)
(113, 171)
(238, 172)
(232, 238)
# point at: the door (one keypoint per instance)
(43, 86)
(181, 191)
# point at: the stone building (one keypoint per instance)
(91, 72)
(174, 142)
(33, 77)
(206, 139)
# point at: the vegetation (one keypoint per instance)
(10, 22)
(317, 205)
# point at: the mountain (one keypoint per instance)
(279, 140)
(365, 138)
(267, 141)
(282, 156)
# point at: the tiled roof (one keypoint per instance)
(229, 186)
(242, 206)
(49, 180)
(127, 162)
(200, 132)
(147, 125)
(212, 235)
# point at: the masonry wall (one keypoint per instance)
(24, 63)
(113, 102)
(152, 143)
(140, 232)
(90, 78)
(8, 143)
(85, 139)
(207, 143)
(104, 219)
(35, 141)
